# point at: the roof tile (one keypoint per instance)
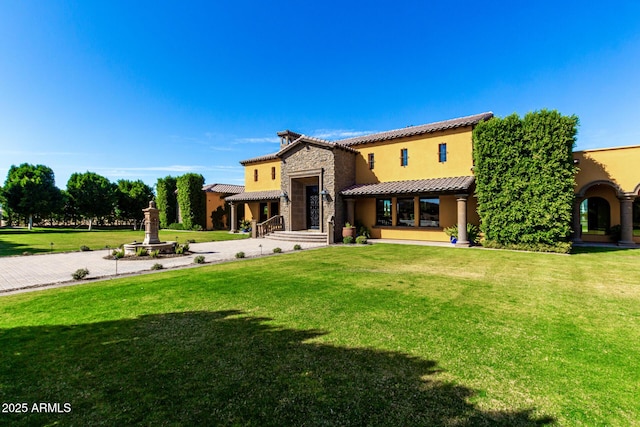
(433, 185)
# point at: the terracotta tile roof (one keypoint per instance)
(433, 185)
(300, 140)
(224, 188)
(263, 158)
(255, 196)
(417, 130)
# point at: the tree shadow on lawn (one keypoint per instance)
(224, 368)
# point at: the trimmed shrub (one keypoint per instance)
(297, 247)
(157, 266)
(277, 250)
(176, 226)
(361, 240)
(197, 227)
(192, 200)
(85, 248)
(525, 178)
(166, 200)
(347, 240)
(80, 274)
(199, 259)
(240, 254)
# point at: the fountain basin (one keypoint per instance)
(162, 247)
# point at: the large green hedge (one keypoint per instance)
(525, 179)
(166, 200)
(192, 200)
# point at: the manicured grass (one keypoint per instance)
(375, 335)
(15, 241)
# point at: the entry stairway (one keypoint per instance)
(298, 236)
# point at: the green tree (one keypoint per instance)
(92, 195)
(132, 198)
(30, 190)
(192, 200)
(525, 179)
(166, 200)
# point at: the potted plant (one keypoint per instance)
(348, 230)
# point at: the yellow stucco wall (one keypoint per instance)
(365, 213)
(609, 164)
(423, 157)
(265, 181)
(213, 202)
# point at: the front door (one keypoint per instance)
(313, 207)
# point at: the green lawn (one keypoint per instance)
(15, 241)
(386, 335)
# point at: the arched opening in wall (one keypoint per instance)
(595, 215)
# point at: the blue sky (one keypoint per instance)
(141, 90)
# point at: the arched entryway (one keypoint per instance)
(597, 213)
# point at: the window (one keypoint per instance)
(273, 172)
(636, 214)
(429, 212)
(595, 215)
(383, 211)
(404, 157)
(405, 213)
(371, 161)
(255, 174)
(442, 152)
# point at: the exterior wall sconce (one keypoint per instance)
(324, 194)
(284, 197)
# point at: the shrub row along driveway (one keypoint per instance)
(22, 272)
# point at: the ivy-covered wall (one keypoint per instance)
(192, 200)
(166, 200)
(525, 180)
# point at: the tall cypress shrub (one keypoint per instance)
(166, 200)
(525, 180)
(192, 200)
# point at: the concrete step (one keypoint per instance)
(298, 236)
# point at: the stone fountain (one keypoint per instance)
(151, 240)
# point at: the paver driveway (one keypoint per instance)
(34, 271)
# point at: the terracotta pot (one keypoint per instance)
(349, 231)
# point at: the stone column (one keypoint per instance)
(330, 232)
(626, 221)
(234, 217)
(151, 224)
(254, 229)
(577, 226)
(351, 211)
(462, 220)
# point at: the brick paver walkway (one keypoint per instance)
(36, 271)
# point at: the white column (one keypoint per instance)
(462, 220)
(234, 217)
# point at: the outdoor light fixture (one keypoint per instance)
(325, 195)
(284, 197)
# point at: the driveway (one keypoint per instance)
(19, 273)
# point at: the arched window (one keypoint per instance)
(595, 215)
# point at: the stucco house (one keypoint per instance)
(411, 183)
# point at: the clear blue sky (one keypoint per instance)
(141, 90)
